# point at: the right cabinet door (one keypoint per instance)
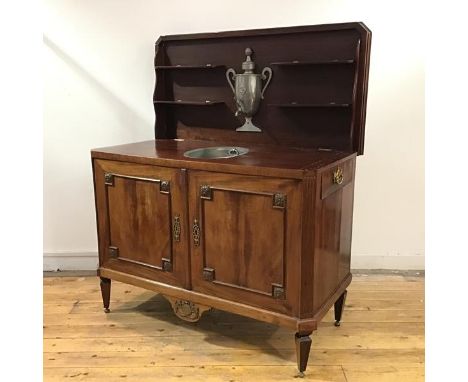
(245, 238)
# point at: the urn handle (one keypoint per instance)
(233, 73)
(264, 77)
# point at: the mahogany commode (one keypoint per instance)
(266, 234)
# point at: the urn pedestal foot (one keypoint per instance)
(249, 126)
(187, 310)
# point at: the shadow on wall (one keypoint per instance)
(129, 119)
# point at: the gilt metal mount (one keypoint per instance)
(205, 192)
(113, 252)
(164, 187)
(338, 176)
(279, 201)
(108, 179)
(277, 291)
(196, 233)
(176, 229)
(208, 274)
(166, 265)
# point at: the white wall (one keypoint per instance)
(99, 78)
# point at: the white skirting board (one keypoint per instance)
(70, 261)
(85, 261)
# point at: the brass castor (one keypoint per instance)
(337, 323)
(106, 310)
(187, 310)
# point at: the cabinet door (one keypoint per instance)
(141, 217)
(246, 238)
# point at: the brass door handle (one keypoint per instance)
(196, 233)
(338, 176)
(176, 229)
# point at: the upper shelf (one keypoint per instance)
(295, 104)
(314, 62)
(193, 103)
(171, 67)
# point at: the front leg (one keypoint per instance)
(339, 307)
(105, 292)
(303, 342)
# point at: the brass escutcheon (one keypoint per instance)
(176, 229)
(196, 233)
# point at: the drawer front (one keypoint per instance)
(336, 177)
(141, 213)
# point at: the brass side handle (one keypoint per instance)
(338, 176)
(196, 233)
(176, 228)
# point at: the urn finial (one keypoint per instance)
(248, 65)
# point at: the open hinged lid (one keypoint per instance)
(316, 98)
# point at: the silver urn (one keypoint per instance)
(248, 90)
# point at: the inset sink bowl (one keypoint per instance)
(216, 152)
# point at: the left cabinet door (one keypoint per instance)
(141, 219)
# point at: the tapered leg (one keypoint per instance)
(339, 307)
(105, 291)
(303, 342)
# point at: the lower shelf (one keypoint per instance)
(311, 105)
(192, 103)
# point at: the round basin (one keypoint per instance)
(216, 152)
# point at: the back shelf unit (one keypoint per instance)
(318, 88)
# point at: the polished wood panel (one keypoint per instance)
(140, 220)
(315, 65)
(142, 339)
(262, 160)
(136, 208)
(333, 227)
(246, 212)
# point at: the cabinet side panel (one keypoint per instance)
(327, 249)
(307, 250)
(101, 212)
(333, 223)
(346, 231)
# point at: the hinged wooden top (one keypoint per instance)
(263, 160)
(316, 98)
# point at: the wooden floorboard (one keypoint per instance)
(381, 337)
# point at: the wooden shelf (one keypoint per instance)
(193, 103)
(176, 67)
(317, 62)
(295, 104)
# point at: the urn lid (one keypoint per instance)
(248, 65)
